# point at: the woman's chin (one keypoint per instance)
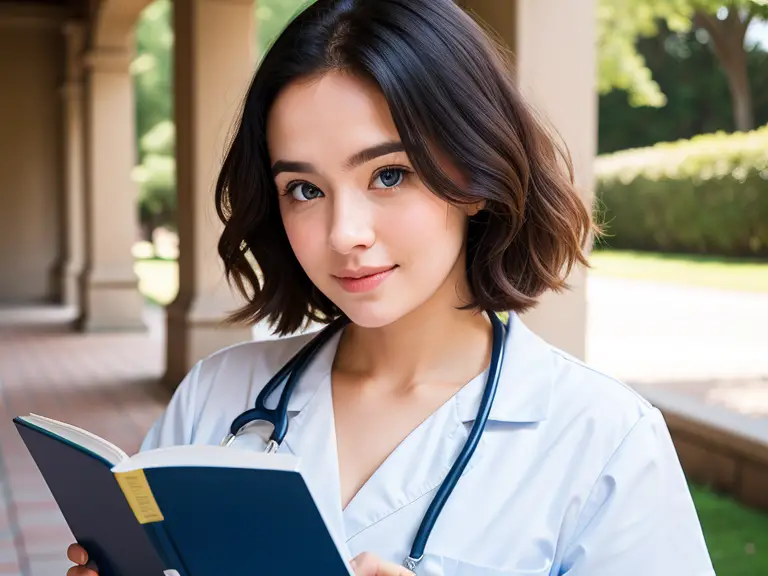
(372, 315)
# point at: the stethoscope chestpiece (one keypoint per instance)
(412, 563)
(271, 447)
(228, 439)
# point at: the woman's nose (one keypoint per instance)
(351, 223)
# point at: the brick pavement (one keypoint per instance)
(106, 383)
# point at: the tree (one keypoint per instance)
(694, 86)
(153, 80)
(153, 68)
(726, 27)
(622, 22)
(272, 16)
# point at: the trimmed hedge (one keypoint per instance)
(707, 195)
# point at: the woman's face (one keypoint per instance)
(366, 230)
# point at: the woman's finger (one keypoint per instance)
(367, 564)
(80, 571)
(77, 554)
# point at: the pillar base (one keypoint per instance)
(192, 335)
(70, 284)
(115, 306)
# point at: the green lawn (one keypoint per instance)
(158, 279)
(713, 272)
(159, 282)
(737, 537)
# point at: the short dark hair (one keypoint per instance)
(449, 87)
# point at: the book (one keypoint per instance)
(193, 510)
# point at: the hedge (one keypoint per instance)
(707, 195)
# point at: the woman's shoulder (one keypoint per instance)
(576, 405)
(601, 409)
(584, 386)
(253, 356)
(220, 386)
(616, 431)
(549, 385)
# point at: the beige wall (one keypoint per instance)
(30, 137)
(556, 56)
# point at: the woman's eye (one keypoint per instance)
(390, 177)
(304, 191)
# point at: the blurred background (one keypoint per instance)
(113, 118)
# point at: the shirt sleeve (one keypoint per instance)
(174, 427)
(639, 519)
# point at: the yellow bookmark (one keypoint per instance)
(139, 495)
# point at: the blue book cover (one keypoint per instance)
(186, 510)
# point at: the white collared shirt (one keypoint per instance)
(575, 473)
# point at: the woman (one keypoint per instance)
(386, 170)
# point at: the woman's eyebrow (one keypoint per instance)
(374, 152)
(355, 160)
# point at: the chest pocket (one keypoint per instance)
(434, 565)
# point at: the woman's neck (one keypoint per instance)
(434, 344)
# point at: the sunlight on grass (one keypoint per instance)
(750, 276)
(158, 280)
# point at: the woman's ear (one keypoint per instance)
(473, 209)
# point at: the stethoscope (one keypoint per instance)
(292, 371)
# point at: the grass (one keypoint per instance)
(708, 271)
(158, 279)
(737, 537)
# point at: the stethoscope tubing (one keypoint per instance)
(473, 439)
(292, 371)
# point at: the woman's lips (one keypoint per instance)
(364, 280)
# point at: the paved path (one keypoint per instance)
(105, 383)
(702, 343)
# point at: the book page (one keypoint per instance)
(87, 440)
(209, 456)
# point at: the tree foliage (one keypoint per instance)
(153, 80)
(696, 90)
(272, 16)
(621, 23)
(153, 68)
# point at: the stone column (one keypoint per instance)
(554, 44)
(73, 166)
(111, 299)
(214, 62)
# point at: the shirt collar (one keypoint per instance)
(525, 384)
(526, 380)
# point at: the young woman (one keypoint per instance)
(386, 171)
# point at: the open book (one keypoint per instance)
(186, 510)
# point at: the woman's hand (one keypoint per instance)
(79, 556)
(367, 564)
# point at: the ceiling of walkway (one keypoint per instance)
(49, 2)
(77, 6)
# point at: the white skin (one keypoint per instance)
(408, 348)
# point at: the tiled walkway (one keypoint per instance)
(105, 383)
